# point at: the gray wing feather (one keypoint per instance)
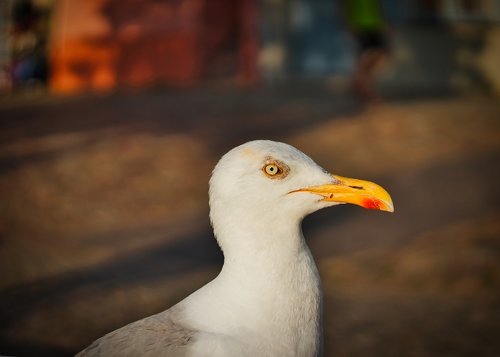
(157, 335)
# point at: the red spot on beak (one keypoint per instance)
(372, 203)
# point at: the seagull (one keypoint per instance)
(267, 299)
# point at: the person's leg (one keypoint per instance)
(365, 76)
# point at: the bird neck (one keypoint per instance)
(277, 279)
(269, 284)
(266, 258)
(261, 240)
(267, 269)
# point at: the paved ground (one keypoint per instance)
(103, 214)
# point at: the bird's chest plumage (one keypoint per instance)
(289, 322)
(269, 312)
(299, 310)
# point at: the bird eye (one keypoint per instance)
(275, 169)
(272, 169)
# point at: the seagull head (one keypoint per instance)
(269, 184)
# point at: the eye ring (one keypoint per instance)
(272, 169)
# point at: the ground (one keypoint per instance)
(103, 214)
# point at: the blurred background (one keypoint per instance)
(113, 114)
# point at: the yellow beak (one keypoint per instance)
(359, 192)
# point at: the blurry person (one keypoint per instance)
(28, 41)
(366, 20)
